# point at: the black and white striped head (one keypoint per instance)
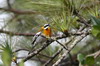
(46, 26)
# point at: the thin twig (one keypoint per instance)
(61, 44)
(20, 50)
(55, 55)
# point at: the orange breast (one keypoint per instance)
(47, 32)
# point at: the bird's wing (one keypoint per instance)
(35, 37)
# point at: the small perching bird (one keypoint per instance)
(46, 30)
(41, 37)
(38, 39)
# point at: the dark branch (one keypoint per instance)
(9, 5)
(15, 11)
(61, 44)
(17, 34)
(70, 48)
(29, 50)
(55, 55)
(20, 50)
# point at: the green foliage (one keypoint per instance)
(90, 61)
(64, 21)
(40, 5)
(95, 20)
(85, 60)
(96, 27)
(94, 11)
(6, 55)
(24, 43)
(97, 61)
(96, 31)
(80, 58)
(6, 48)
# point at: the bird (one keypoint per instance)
(41, 36)
(46, 30)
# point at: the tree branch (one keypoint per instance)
(15, 11)
(20, 50)
(29, 50)
(70, 48)
(96, 54)
(17, 34)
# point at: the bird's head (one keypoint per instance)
(45, 27)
